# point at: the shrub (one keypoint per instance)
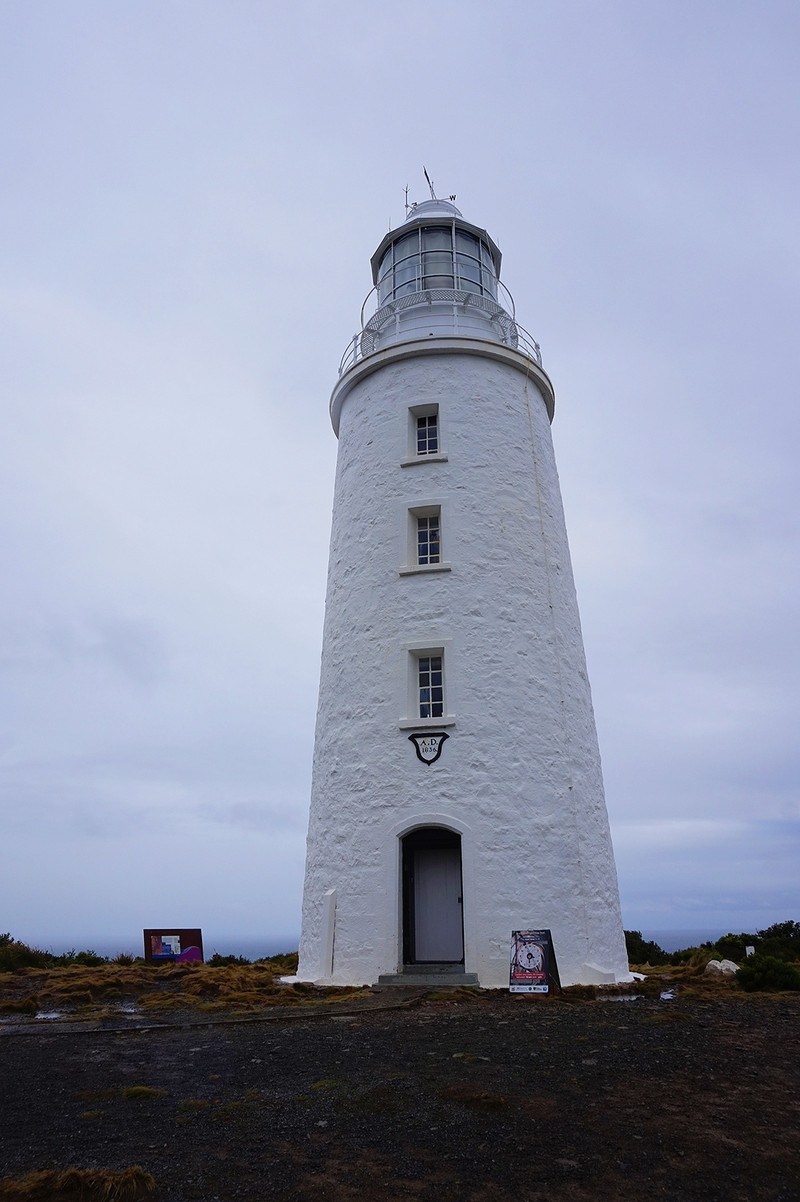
(732, 947)
(284, 963)
(218, 961)
(87, 959)
(767, 973)
(643, 951)
(689, 956)
(15, 955)
(782, 939)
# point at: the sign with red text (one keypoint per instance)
(533, 968)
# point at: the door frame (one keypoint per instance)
(427, 837)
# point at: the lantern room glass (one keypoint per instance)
(436, 256)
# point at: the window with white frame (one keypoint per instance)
(429, 542)
(423, 540)
(430, 686)
(424, 439)
(427, 442)
(429, 700)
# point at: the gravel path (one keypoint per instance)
(492, 1098)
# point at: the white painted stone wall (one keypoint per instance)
(520, 775)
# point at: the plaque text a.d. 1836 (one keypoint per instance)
(429, 745)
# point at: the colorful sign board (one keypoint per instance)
(533, 962)
(170, 945)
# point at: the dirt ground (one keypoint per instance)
(477, 1097)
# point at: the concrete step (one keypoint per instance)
(426, 974)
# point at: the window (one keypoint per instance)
(428, 434)
(424, 437)
(429, 697)
(428, 540)
(421, 547)
(431, 686)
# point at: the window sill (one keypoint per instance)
(421, 569)
(426, 723)
(412, 459)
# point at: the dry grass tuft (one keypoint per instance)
(79, 1185)
(190, 1106)
(447, 995)
(159, 1002)
(142, 1093)
(26, 1005)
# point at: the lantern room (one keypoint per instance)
(435, 248)
(436, 276)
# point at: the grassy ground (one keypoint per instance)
(156, 990)
(93, 992)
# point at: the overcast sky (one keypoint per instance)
(191, 192)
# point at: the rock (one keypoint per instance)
(721, 968)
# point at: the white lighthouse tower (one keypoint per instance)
(457, 792)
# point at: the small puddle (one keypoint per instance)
(48, 1015)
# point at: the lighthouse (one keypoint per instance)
(457, 792)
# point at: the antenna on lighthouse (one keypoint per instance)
(408, 206)
(430, 184)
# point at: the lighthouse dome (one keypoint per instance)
(433, 208)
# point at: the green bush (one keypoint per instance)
(683, 956)
(87, 959)
(15, 955)
(782, 939)
(767, 973)
(643, 951)
(732, 947)
(284, 963)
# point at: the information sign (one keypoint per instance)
(169, 944)
(533, 962)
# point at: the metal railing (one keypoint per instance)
(507, 329)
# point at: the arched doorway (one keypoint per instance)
(433, 923)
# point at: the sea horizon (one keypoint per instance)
(671, 939)
(252, 948)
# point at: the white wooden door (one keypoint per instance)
(438, 931)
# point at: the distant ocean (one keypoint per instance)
(255, 949)
(226, 945)
(677, 940)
